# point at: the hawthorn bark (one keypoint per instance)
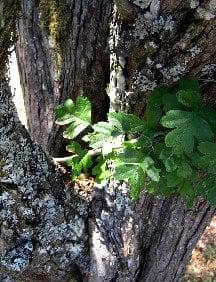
(52, 232)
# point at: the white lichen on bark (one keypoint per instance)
(37, 217)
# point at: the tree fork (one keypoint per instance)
(152, 240)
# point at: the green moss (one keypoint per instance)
(53, 20)
(10, 13)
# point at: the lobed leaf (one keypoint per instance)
(126, 123)
(188, 127)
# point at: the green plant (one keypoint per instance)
(171, 151)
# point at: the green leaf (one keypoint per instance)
(173, 180)
(168, 159)
(86, 162)
(103, 128)
(101, 171)
(207, 189)
(126, 123)
(208, 148)
(126, 171)
(104, 142)
(208, 160)
(184, 169)
(188, 127)
(134, 175)
(137, 184)
(170, 102)
(189, 98)
(77, 115)
(83, 109)
(80, 162)
(189, 83)
(166, 162)
(153, 108)
(186, 191)
(63, 113)
(210, 117)
(74, 163)
(74, 147)
(131, 156)
(153, 173)
(164, 189)
(74, 129)
(135, 157)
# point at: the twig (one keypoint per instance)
(68, 158)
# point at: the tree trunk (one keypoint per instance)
(151, 42)
(62, 53)
(43, 223)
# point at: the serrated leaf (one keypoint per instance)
(153, 173)
(86, 162)
(104, 137)
(126, 171)
(131, 156)
(173, 180)
(208, 160)
(186, 191)
(77, 115)
(74, 147)
(63, 113)
(103, 128)
(104, 142)
(126, 123)
(184, 169)
(134, 175)
(207, 189)
(189, 98)
(83, 109)
(80, 162)
(210, 117)
(168, 159)
(188, 126)
(176, 118)
(74, 129)
(101, 171)
(137, 185)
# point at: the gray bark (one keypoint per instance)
(50, 73)
(151, 42)
(42, 222)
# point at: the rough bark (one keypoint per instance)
(151, 42)
(42, 223)
(164, 42)
(62, 54)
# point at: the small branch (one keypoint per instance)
(64, 159)
(68, 158)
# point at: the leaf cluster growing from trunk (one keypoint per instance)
(170, 151)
